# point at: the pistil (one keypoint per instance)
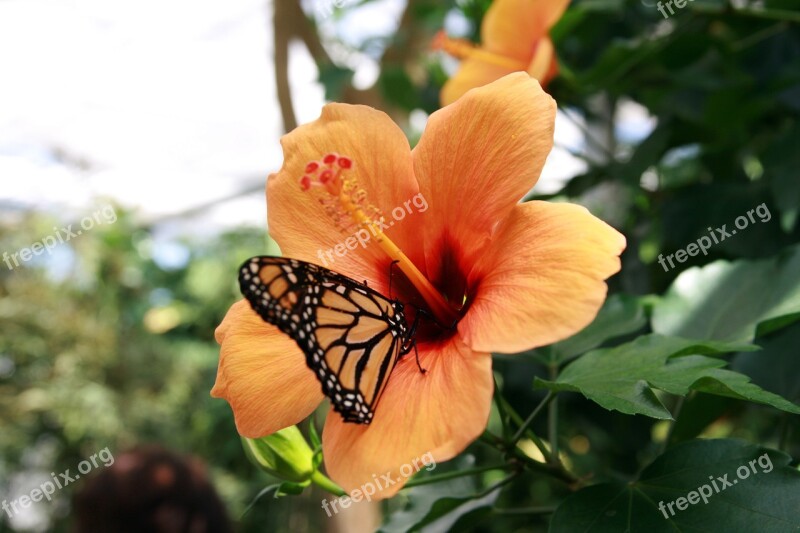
(463, 49)
(349, 203)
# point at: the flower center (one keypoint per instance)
(463, 49)
(346, 203)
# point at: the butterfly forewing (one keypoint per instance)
(351, 335)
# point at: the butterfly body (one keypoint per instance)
(352, 336)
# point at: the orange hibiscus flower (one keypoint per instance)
(514, 37)
(512, 276)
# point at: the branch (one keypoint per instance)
(282, 30)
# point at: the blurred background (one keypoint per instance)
(158, 122)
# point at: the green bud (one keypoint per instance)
(284, 454)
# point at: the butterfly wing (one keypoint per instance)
(351, 335)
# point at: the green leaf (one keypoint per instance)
(777, 366)
(765, 498)
(397, 87)
(647, 153)
(620, 315)
(734, 301)
(623, 378)
(427, 508)
(334, 79)
(446, 512)
(698, 412)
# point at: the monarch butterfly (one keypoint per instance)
(352, 336)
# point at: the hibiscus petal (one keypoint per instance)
(472, 73)
(542, 279)
(477, 158)
(544, 65)
(437, 413)
(513, 27)
(382, 166)
(262, 374)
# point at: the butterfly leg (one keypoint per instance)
(416, 354)
(410, 343)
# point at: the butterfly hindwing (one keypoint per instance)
(351, 335)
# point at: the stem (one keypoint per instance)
(784, 432)
(530, 434)
(525, 510)
(454, 475)
(769, 14)
(556, 471)
(498, 400)
(588, 135)
(671, 430)
(759, 36)
(282, 35)
(319, 479)
(261, 493)
(505, 481)
(552, 421)
(518, 435)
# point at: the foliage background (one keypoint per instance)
(112, 347)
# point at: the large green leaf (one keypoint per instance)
(764, 498)
(623, 378)
(734, 301)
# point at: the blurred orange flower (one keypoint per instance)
(514, 37)
(512, 276)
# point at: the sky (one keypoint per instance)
(166, 106)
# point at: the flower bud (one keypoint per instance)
(284, 454)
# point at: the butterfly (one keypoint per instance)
(352, 336)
